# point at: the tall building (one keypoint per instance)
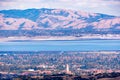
(67, 68)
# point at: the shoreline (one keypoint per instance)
(55, 38)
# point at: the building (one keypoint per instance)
(68, 69)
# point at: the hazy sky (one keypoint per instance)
(111, 7)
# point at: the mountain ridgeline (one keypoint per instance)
(56, 22)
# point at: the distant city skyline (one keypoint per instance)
(110, 7)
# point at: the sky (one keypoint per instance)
(110, 7)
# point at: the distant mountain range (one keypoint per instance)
(56, 22)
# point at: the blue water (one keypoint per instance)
(81, 45)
